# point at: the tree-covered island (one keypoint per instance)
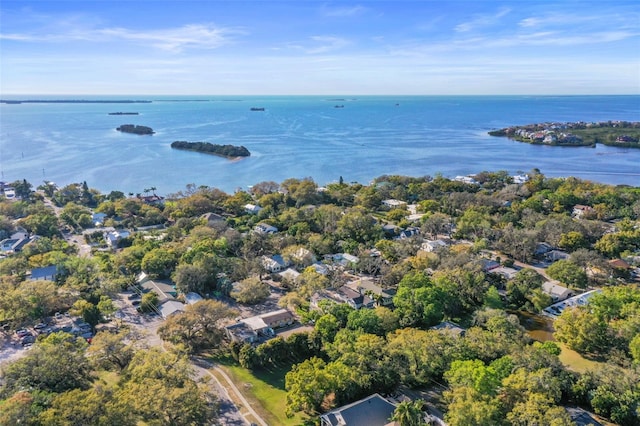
(614, 133)
(135, 129)
(229, 151)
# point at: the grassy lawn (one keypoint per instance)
(576, 362)
(264, 390)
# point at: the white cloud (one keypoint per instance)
(319, 44)
(341, 12)
(192, 36)
(482, 21)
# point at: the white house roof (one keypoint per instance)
(171, 307)
(192, 298)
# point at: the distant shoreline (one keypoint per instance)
(73, 101)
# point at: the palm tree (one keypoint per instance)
(153, 190)
(409, 413)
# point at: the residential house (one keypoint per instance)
(433, 245)
(192, 298)
(213, 219)
(164, 289)
(414, 217)
(450, 327)
(259, 326)
(393, 203)
(98, 218)
(506, 272)
(344, 259)
(542, 249)
(15, 243)
(241, 332)
(390, 230)
(275, 263)
(519, 179)
(113, 238)
(466, 179)
(619, 264)
(557, 292)
(365, 286)
(48, 273)
(354, 298)
(341, 295)
(489, 265)
(409, 232)
(581, 417)
(252, 208)
(152, 200)
(555, 255)
(302, 257)
(171, 307)
(265, 228)
(289, 274)
(320, 268)
(373, 410)
(580, 211)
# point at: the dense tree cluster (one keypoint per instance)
(206, 242)
(135, 129)
(230, 151)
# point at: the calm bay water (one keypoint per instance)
(301, 137)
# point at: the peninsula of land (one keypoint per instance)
(228, 151)
(135, 129)
(614, 133)
(124, 113)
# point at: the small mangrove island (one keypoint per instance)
(614, 133)
(123, 113)
(135, 129)
(229, 151)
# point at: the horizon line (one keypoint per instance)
(313, 94)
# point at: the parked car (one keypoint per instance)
(23, 332)
(40, 326)
(28, 339)
(135, 302)
(133, 296)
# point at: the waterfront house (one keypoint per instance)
(557, 292)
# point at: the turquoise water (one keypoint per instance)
(302, 137)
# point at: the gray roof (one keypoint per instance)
(43, 273)
(373, 410)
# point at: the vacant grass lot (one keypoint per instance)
(576, 362)
(264, 390)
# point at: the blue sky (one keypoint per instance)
(308, 47)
